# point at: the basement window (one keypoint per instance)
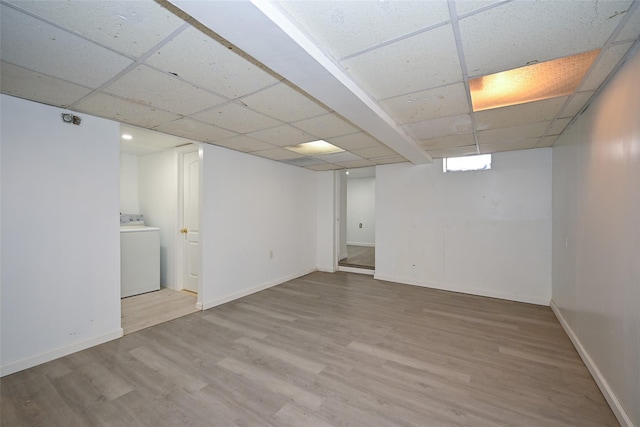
(466, 163)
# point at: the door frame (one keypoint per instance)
(339, 216)
(179, 239)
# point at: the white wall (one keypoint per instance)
(483, 232)
(129, 198)
(60, 234)
(596, 239)
(250, 207)
(158, 183)
(325, 222)
(361, 209)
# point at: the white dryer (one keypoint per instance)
(139, 259)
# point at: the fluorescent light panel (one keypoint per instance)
(535, 82)
(314, 148)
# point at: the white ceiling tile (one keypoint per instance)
(354, 141)
(237, 118)
(605, 63)
(467, 6)
(124, 111)
(201, 60)
(547, 141)
(278, 154)
(284, 103)
(325, 167)
(389, 160)
(516, 33)
(30, 43)
(283, 135)
(424, 61)
(437, 128)
(512, 134)
(244, 143)
(631, 30)
(373, 153)
(129, 27)
(439, 153)
(193, 129)
(356, 163)
(428, 104)
(559, 126)
(27, 84)
(521, 144)
(304, 162)
(344, 156)
(345, 27)
(326, 126)
(515, 115)
(575, 104)
(160, 90)
(448, 141)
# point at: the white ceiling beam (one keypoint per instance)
(265, 33)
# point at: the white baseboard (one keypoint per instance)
(326, 270)
(603, 384)
(56, 353)
(478, 292)
(227, 298)
(356, 270)
(368, 245)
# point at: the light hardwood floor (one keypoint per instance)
(360, 257)
(324, 350)
(142, 311)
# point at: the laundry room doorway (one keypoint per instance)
(152, 173)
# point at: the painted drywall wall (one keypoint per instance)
(482, 232)
(60, 288)
(129, 197)
(361, 209)
(158, 183)
(325, 222)
(596, 238)
(258, 224)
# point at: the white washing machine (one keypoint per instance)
(139, 259)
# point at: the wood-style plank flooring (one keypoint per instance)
(360, 257)
(142, 311)
(323, 350)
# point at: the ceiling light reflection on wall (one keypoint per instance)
(314, 148)
(549, 79)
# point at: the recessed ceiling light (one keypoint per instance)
(315, 147)
(549, 79)
(126, 136)
(347, 172)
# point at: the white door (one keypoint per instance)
(190, 228)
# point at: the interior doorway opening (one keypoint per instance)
(357, 227)
(152, 182)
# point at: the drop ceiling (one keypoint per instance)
(386, 81)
